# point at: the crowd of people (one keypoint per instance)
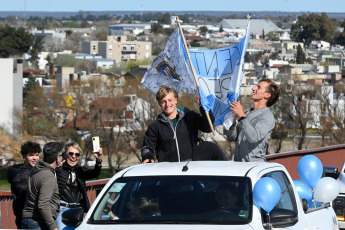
(45, 188)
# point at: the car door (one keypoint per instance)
(287, 198)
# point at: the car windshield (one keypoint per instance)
(176, 200)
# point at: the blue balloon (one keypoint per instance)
(267, 193)
(303, 190)
(310, 170)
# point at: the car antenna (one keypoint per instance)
(185, 168)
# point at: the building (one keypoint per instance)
(125, 29)
(119, 49)
(12, 94)
(257, 26)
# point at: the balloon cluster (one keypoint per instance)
(311, 186)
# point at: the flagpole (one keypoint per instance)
(194, 74)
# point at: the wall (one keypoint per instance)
(329, 156)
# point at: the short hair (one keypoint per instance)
(30, 147)
(163, 91)
(51, 151)
(146, 205)
(273, 89)
(72, 144)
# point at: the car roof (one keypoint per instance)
(205, 168)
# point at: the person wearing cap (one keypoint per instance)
(18, 175)
(42, 196)
(71, 179)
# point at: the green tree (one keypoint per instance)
(221, 28)
(31, 84)
(157, 28)
(36, 48)
(14, 41)
(313, 27)
(272, 36)
(300, 57)
(340, 39)
(203, 29)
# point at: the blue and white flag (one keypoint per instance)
(219, 74)
(171, 68)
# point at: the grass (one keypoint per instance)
(4, 185)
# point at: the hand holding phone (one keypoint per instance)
(95, 144)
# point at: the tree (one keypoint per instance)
(313, 27)
(294, 105)
(221, 28)
(340, 38)
(300, 57)
(203, 29)
(157, 28)
(14, 41)
(36, 48)
(30, 85)
(272, 36)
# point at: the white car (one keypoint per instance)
(339, 202)
(88, 162)
(198, 195)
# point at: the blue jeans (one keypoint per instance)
(60, 225)
(33, 224)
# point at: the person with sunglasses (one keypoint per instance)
(71, 179)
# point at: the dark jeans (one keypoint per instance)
(33, 224)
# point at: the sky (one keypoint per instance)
(175, 5)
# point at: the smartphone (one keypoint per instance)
(95, 143)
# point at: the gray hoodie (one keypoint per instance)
(252, 135)
(42, 195)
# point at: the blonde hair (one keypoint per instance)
(163, 91)
(74, 145)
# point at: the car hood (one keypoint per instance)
(165, 227)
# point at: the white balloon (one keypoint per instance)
(326, 190)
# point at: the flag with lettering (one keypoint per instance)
(171, 68)
(219, 74)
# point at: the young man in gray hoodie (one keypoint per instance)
(252, 129)
(42, 197)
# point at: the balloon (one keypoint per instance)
(310, 170)
(326, 190)
(267, 193)
(303, 190)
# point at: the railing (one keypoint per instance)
(330, 156)
(7, 218)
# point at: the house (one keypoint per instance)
(119, 49)
(126, 114)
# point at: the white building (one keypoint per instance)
(12, 94)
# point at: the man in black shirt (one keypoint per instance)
(18, 176)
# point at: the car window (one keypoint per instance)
(176, 199)
(287, 198)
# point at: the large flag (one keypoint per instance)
(171, 68)
(219, 74)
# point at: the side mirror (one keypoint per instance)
(304, 204)
(331, 172)
(280, 218)
(73, 217)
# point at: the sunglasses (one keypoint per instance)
(72, 153)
